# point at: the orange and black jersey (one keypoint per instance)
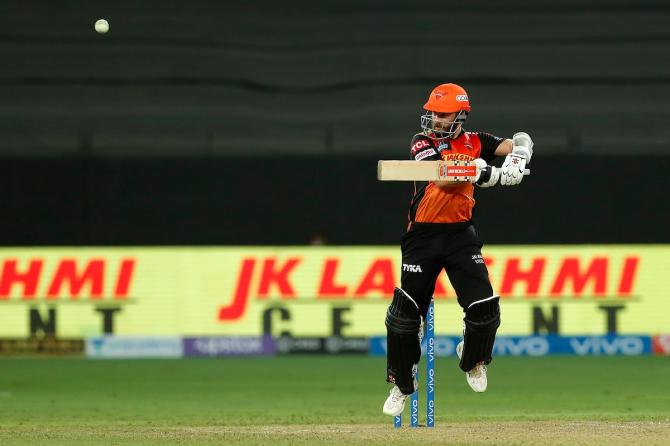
(432, 204)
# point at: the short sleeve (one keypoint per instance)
(422, 149)
(489, 145)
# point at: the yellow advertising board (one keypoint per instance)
(318, 291)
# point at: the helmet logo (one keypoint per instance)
(439, 95)
(462, 98)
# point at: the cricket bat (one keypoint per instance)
(408, 170)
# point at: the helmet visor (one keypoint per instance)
(443, 130)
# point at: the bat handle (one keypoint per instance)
(526, 172)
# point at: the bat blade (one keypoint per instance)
(407, 170)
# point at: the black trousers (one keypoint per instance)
(456, 247)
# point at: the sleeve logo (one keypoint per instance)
(425, 154)
(420, 144)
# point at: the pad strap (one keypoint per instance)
(403, 315)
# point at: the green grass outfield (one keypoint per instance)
(328, 400)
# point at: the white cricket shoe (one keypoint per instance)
(477, 376)
(395, 403)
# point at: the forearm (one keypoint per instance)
(504, 148)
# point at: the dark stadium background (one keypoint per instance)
(235, 122)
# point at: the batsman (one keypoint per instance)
(441, 235)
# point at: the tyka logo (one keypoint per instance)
(411, 268)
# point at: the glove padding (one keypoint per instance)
(511, 172)
(487, 176)
(522, 145)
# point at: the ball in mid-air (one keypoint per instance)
(101, 26)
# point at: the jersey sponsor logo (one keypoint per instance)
(420, 144)
(462, 97)
(456, 157)
(411, 268)
(425, 154)
(477, 258)
(464, 141)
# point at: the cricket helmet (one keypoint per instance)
(445, 98)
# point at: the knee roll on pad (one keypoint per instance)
(403, 343)
(403, 315)
(482, 320)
